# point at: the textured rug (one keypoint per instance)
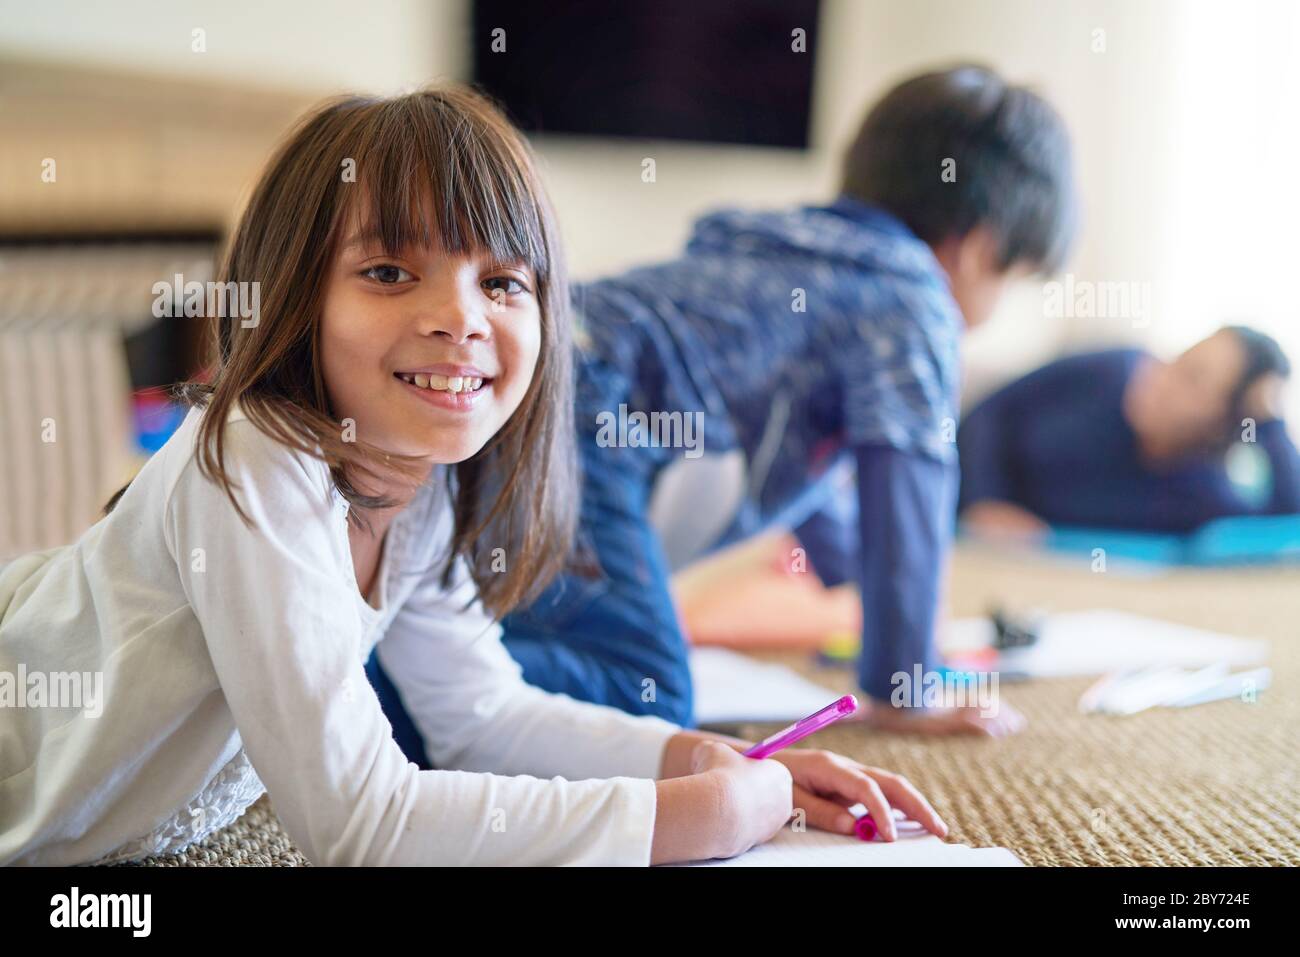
(1214, 784)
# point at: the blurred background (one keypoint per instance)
(131, 132)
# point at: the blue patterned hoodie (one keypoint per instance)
(798, 333)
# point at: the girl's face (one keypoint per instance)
(428, 353)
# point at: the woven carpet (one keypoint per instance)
(1214, 784)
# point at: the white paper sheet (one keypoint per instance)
(731, 687)
(914, 848)
(1100, 641)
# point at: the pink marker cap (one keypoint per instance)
(865, 828)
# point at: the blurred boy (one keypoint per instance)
(1121, 439)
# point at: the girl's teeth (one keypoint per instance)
(444, 383)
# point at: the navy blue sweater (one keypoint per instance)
(1057, 444)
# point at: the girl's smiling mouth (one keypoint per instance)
(447, 386)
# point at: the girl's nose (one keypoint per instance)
(458, 311)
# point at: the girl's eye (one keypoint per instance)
(504, 284)
(387, 275)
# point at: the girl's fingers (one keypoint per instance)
(832, 784)
(908, 799)
(836, 777)
(860, 788)
(823, 813)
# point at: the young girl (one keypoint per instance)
(383, 457)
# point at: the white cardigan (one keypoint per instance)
(233, 656)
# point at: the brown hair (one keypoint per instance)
(450, 149)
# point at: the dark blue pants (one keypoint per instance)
(615, 639)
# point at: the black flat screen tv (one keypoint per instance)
(720, 71)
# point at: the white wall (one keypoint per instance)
(314, 44)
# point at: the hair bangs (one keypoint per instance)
(431, 174)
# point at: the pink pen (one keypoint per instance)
(802, 728)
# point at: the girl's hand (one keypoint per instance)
(826, 784)
(756, 796)
(724, 807)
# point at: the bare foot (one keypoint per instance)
(967, 720)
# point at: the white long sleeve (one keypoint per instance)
(471, 705)
(280, 616)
